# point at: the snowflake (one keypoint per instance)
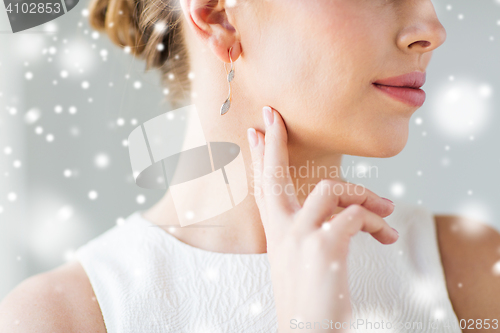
(92, 195)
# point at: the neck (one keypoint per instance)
(240, 229)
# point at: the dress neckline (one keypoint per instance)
(137, 216)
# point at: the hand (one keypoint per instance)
(308, 255)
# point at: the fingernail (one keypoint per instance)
(395, 231)
(389, 201)
(252, 137)
(268, 115)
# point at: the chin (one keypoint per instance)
(390, 151)
(383, 146)
(392, 140)
(391, 146)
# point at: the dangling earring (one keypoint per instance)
(230, 76)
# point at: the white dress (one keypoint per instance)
(148, 281)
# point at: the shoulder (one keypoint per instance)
(470, 254)
(60, 300)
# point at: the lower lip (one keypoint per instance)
(410, 96)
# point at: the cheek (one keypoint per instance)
(320, 66)
(302, 55)
(315, 65)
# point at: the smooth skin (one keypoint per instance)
(308, 255)
(62, 300)
(313, 62)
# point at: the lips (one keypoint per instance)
(404, 88)
(411, 80)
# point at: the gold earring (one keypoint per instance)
(230, 76)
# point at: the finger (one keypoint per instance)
(356, 218)
(256, 143)
(329, 194)
(277, 184)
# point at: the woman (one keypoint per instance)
(324, 71)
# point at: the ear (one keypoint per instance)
(209, 21)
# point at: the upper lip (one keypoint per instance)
(411, 80)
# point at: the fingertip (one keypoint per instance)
(256, 150)
(387, 235)
(253, 140)
(278, 117)
(395, 235)
(268, 115)
(388, 207)
(275, 117)
(390, 210)
(389, 202)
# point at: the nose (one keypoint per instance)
(425, 33)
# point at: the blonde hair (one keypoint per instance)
(152, 31)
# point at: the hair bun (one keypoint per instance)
(119, 20)
(152, 30)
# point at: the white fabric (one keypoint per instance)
(146, 280)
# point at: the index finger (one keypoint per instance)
(279, 191)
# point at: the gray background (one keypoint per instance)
(441, 166)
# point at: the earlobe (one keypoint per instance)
(208, 20)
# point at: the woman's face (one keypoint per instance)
(315, 62)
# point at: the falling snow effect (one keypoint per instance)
(397, 189)
(101, 161)
(32, 116)
(463, 109)
(496, 268)
(141, 199)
